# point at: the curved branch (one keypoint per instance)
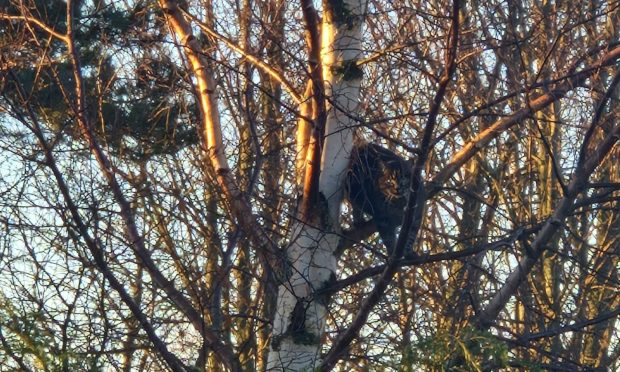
(413, 211)
(500, 126)
(573, 327)
(276, 75)
(79, 230)
(423, 260)
(212, 133)
(38, 23)
(578, 183)
(136, 240)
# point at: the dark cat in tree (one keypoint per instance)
(377, 185)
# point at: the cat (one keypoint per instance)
(377, 185)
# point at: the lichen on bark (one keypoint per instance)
(339, 14)
(348, 70)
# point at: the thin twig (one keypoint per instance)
(276, 75)
(37, 22)
(413, 210)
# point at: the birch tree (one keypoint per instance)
(173, 185)
(324, 147)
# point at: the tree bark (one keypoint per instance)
(300, 317)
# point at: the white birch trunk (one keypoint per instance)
(341, 51)
(300, 319)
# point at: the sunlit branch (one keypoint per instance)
(80, 228)
(212, 132)
(276, 75)
(304, 132)
(319, 111)
(569, 74)
(597, 117)
(135, 238)
(500, 126)
(578, 183)
(38, 23)
(413, 211)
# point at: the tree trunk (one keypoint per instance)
(301, 312)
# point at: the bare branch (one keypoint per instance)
(319, 111)
(573, 327)
(448, 255)
(93, 245)
(597, 117)
(578, 183)
(38, 23)
(413, 211)
(212, 131)
(135, 238)
(276, 75)
(537, 104)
